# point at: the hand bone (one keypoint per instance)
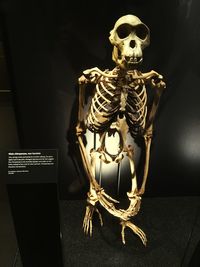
(135, 229)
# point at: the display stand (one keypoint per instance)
(33, 195)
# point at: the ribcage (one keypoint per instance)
(104, 105)
(111, 99)
(136, 109)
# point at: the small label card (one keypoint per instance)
(32, 166)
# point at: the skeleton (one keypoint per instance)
(119, 106)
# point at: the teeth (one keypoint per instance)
(133, 59)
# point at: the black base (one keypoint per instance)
(35, 214)
(172, 226)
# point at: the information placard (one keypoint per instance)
(32, 166)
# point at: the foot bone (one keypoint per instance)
(135, 229)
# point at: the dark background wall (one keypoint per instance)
(49, 43)
(8, 139)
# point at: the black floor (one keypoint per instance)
(172, 226)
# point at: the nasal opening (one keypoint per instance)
(132, 43)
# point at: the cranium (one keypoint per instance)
(129, 37)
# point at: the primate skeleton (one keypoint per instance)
(119, 106)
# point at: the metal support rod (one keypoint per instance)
(100, 173)
(118, 177)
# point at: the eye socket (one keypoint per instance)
(141, 31)
(124, 30)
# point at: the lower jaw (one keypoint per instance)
(131, 65)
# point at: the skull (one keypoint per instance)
(129, 37)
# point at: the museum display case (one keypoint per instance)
(48, 45)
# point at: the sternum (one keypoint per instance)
(123, 99)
